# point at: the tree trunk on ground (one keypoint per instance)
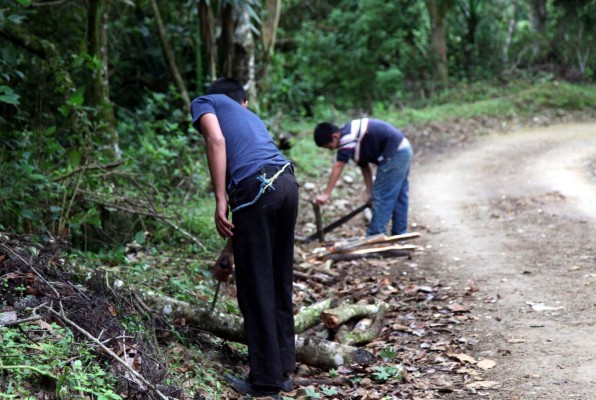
(366, 330)
(310, 316)
(325, 354)
(170, 57)
(333, 318)
(315, 352)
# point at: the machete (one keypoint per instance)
(337, 223)
(223, 264)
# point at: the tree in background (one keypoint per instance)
(437, 11)
(576, 38)
(97, 95)
(82, 80)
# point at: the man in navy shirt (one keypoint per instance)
(256, 182)
(371, 141)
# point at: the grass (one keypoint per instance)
(469, 101)
(35, 357)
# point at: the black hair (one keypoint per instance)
(324, 133)
(230, 87)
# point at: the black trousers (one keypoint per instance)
(263, 255)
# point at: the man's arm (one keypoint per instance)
(216, 158)
(336, 171)
(367, 175)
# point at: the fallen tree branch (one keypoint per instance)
(386, 253)
(165, 219)
(312, 351)
(374, 244)
(333, 318)
(326, 354)
(366, 330)
(20, 321)
(310, 316)
(91, 167)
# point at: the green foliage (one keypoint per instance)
(386, 372)
(329, 391)
(32, 358)
(311, 392)
(8, 95)
(26, 191)
(387, 353)
(334, 60)
(357, 53)
(557, 95)
(310, 159)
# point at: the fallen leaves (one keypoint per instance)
(486, 364)
(483, 385)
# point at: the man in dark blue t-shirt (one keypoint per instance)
(253, 179)
(372, 141)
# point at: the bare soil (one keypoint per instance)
(508, 223)
(514, 215)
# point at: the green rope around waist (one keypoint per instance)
(266, 184)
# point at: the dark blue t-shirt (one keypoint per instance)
(249, 146)
(368, 141)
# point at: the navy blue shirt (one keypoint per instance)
(249, 146)
(368, 141)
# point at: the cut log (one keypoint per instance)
(326, 354)
(225, 326)
(316, 352)
(373, 240)
(366, 330)
(383, 254)
(378, 242)
(310, 316)
(335, 317)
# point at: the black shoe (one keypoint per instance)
(246, 387)
(287, 385)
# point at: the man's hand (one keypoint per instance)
(321, 199)
(222, 223)
(338, 167)
(224, 266)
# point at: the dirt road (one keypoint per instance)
(515, 217)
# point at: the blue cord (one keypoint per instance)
(266, 184)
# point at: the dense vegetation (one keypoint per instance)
(96, 146)
(94, 94)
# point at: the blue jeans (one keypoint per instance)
(390, 194)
